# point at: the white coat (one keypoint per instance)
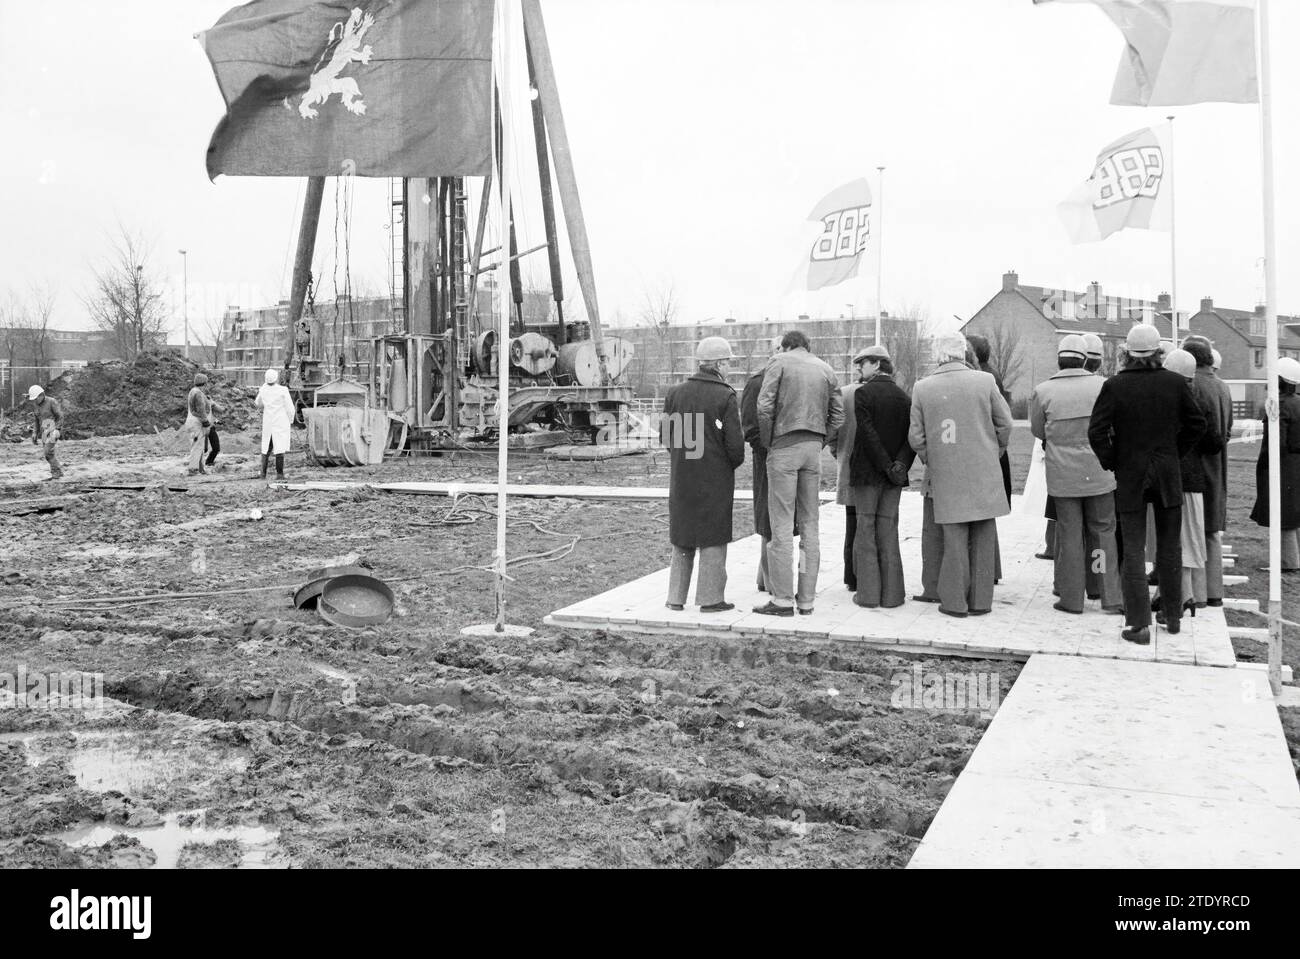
(277, 416)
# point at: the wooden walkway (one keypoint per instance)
(1109, 764)
(1022, 622)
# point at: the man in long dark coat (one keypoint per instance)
(758, 460)
(701, 429)
(1144, 420)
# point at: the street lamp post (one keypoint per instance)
(185, 298)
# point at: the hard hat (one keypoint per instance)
(1183, 363)
(1166, 345)
(1142, 340)
(272, 376)
(1093, 343)
(870, 353)
(713, 348)
(34, 391)
(1218, 358)
(1289, 370)
(1073, 344)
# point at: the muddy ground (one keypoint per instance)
(243, 732)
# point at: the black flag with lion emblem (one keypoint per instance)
(369, 88)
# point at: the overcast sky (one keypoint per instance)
(703, 132)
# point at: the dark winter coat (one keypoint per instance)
(701, 429)
(1288, 438)
(883, 412)
(1191, 466)
(1004, 461)
(1212, 390)
(1144, 420)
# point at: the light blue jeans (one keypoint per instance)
(794, 476)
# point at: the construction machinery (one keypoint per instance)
(433, 383)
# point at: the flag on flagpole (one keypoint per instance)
(1128, 189)
(371, 88)
(836, 254)
(1183, 51)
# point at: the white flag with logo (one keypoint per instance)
(1128, 189)
(835, 253)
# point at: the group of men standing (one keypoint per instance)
(957, 422)
(1134, 465)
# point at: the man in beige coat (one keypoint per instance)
(960, 427)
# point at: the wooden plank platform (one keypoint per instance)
(1110, 764)
(1022, 622)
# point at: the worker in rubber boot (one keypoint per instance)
(277, 416)
(49, 417)
(198, 421)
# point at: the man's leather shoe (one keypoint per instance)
(1066, 609)
(717, 607)
(952, 614)
(979, 612)
(1214, 602)
(675, 607)
(771, 609)
(1139, 635)
(924, 599)
(806, 612)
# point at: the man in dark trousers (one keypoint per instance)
(878, 465)
(1144, 420)
(758, 459)
(1060, 411)
(701, 429)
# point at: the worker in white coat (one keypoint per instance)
(277, 416)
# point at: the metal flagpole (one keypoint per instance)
(1271, 406)
(880, 244)
(1173, 246)
(504, 49)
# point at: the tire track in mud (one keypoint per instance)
(874, 804)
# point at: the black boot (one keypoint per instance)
(266, 458)
(279, 466)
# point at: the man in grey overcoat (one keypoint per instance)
(960, 426)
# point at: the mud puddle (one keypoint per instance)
(135, 763)
(180, 840)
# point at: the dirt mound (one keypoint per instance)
(114, 398)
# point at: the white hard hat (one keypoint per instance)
(272, 375)
(1073, 344)
(34, 391)
(713, 348)
(1183, 363)
(1289, 370)
(1093, 344)
(1218, 359)
(1143, 340)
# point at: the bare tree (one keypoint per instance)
(1006, 353)
(660, 308)
(127, 301)
(40, 309)
(909, 345)
(210, 339)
